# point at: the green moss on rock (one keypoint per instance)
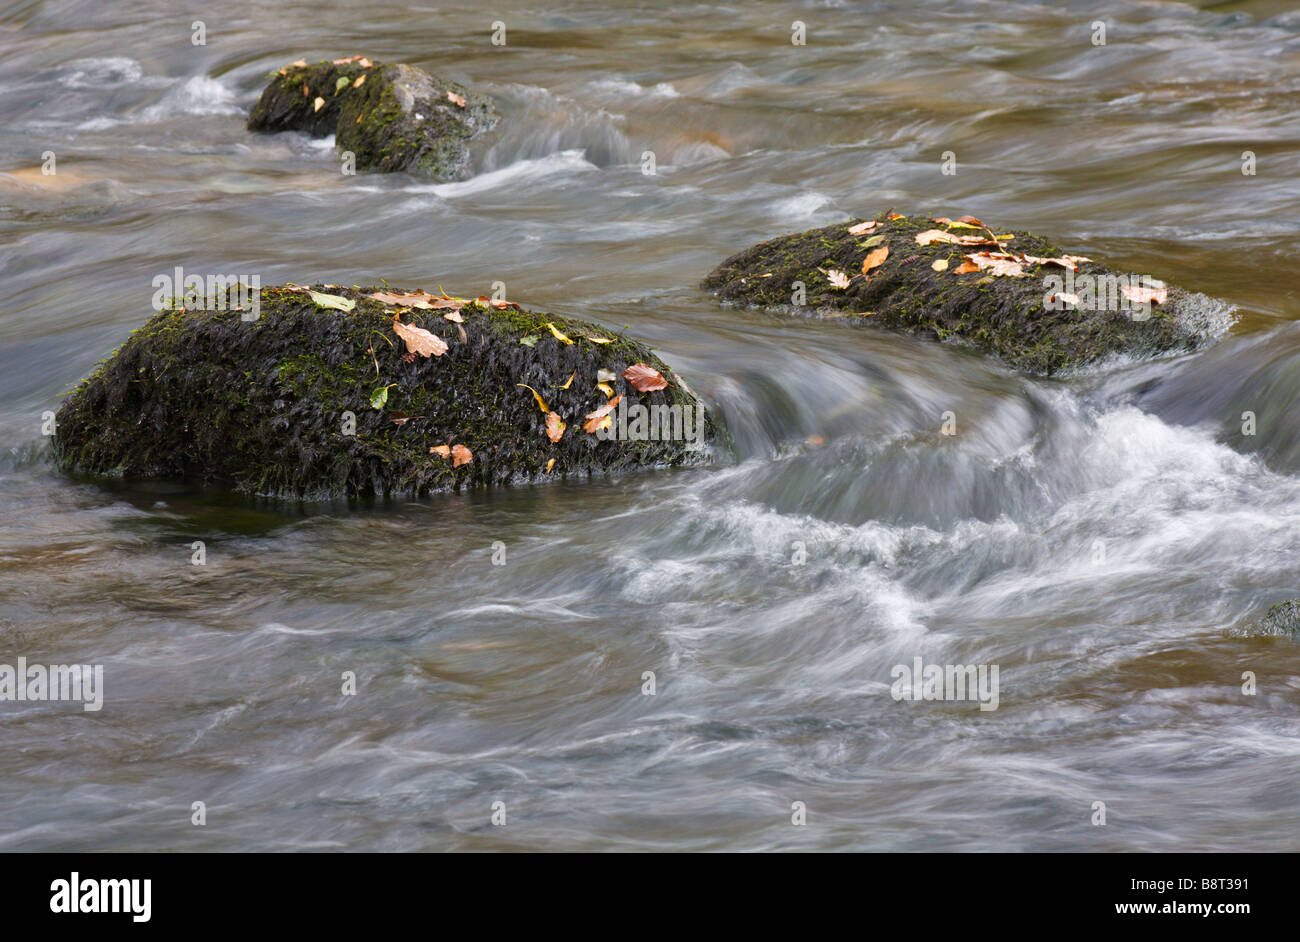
(263, 405)
(1005, 316)
(398, 118)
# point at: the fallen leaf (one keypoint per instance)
(365, 63)
(942, 220)
(605, 376)
(965, 268)
(549, 465)
(457, 100)
(306, 92)
(499, 305)
(318, 104)
(1142, 295)
(863, 227)
(419, 341)
(970, 221)
(442, 451)
(875, 258)
(940, 264)
(963, 225)
(379, 397)
(598, 339)
(837, 278)
(1065, 261)
(332, 300)
(568, 382)
(935, 235)
(541, 403)
(554, 427)
(300, 64)
(606, 389)
(1065, 297)
(454, 317)
(420, 299)
(997, 264)
(361, 80)
(600, 418)
(340, 84)
(644, 378)
(530, 340)
(460, 455)
(872, 242)
(555, 332)
(895, 216)
(815, 440)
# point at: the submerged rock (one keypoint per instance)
(1282, 619)
(1009, 315)
(392, 117)
(313, 401)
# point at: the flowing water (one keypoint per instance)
(1105, 539)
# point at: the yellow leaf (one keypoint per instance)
(606, 389)
(318, 104)
(549, 465)
(568, 382)
(940, 264)
(541, 403)
(558, 336)
(598, 339)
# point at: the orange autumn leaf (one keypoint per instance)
(460, 455)
(644, 378)
(442, 451)
(600, 417)
(361, 80)
(875, 258)
(419, 341)
(554, 426)
(457, 100)
(965, 268)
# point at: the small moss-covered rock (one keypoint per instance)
(285, 405)
(392, 117)
(1003, 315)
(1282, 619)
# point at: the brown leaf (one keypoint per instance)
(361, 80)
(457, 100)
(598, 418)
(418, 340)
(454, 317)
(998, 264)
(1141, 295)
(644, 378)
(863, 228)
(965, 268)
(499, 305)
(442, 451)
(875, 258)
(969, 220)
(460, 455)
(554, 427)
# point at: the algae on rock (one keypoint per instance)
(282, 405)
(392, 117)
(1002, 315)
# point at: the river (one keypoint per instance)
(1105, 539)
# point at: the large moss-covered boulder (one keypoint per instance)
(1005, 292)
(310, 400)
(392, 117)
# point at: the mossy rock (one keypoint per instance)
(262, 405)
(399, 117)
(1002, 315)
(1281, 619)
